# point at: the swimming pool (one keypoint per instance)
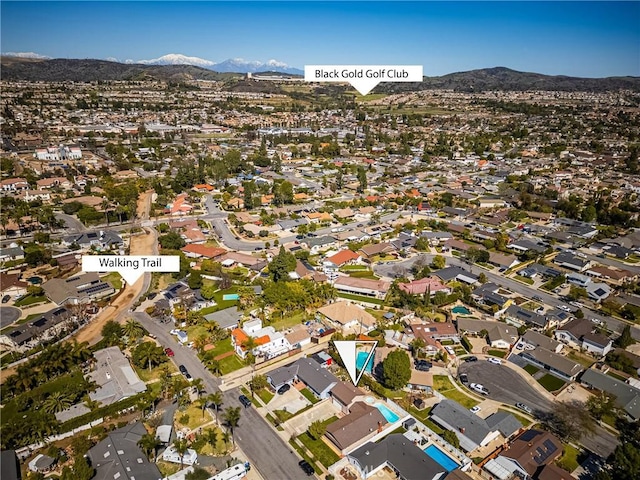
(442, 458)
(230, 296)
(461, 310)
(386, 413)
(361, 358)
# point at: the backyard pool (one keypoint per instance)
(460, 310)
(361, 358)
(442, 458)
(386, 413)
(231, 296)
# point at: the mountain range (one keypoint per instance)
(234, 65)
(176, 68)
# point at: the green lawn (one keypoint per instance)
(363, 274)
(245, 391)
(282, 415)
(221, 304)
(306, 393)
(569, 458)
(230, 364)
(442, 384)
(582, 359)
(551, 383)
(498, 353)
(320, 450)
(146, 375)
(360, 298)
(531, 369)
(31, 300)
(222, 346)
(526, 280)
(302, 453)
(288, 321)
(265, 395)
(114, 279)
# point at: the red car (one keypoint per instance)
(169, 352)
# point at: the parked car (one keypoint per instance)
(471, 359)
(306, 467)
(284, 389)
(494, 360)
(450, 350)
(244, 400)
(537, 298)
(169, 352)
(479, 388)
(183, 369)
(565, 308)
(6, 298)
(524, 408)
(475, 409)
(423, 365)
(188, 377)
(464, 378)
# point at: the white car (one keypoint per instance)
(175, 331)
(479, 388)
(450, 350)
(495, 361)
(475, 409)
(565, 308)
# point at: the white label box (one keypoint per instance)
(131, 267)
(363, 77)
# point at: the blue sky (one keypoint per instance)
(591, 39)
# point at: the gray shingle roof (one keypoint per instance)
(455, 417)
(403, 455)
(505, 422)
(627, 397)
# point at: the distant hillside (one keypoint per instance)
(498, 78)
(501, 78)
(60, 69)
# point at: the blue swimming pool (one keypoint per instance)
(360, 359)
(231, 296)
(461, 310)
(442, 458)
(386, 413)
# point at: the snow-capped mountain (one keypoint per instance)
(178, 59)
(26, 55)
(236, 65)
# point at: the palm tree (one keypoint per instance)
(200, 342)
(181, 446)
(226, 438)
(249, 345)
(149, 443)
(216, 400)
(57, 402)
(232, 418)
(212, 438)
(202, 403)
(198, 385)
(133, 329)
(214, 366)
(105, 204)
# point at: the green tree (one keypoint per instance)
(396, 369)
(570, 420)
(281, 265)
(232, 419)
(149, 443)
(438, 262)
(148, 354)
(57, 402)
(316, 429)
(112, 332)
(171, 241)
(81, 469)
(257, 383)
(362, 179)
(181, 446)
(601, 404)
(451, 438)
(133, 329)
(195, 280)
(625, 338)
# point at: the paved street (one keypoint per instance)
(507, 385)
(268, 453)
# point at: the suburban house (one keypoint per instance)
(580, 333)
(362, 286)
(118, 456)
(533, 339)
(11, 253)
(362, 421)
(423, 285)
(377, 249)
(558, 365)
(298, 336)
(83, 288)
(627, 396)
(572, 262)
(471, 430)
(530, 452)
(11, 284)
(39, 329)
(398, 453)
(115, 377)
(229, 318)
(319, 380)
(456, 273)
(436, 331)
(344, 394)
(102, 240)
(268, 342)
(598, 291)
(348, 317)
(502, 260)
(195, 250)
(518, 316)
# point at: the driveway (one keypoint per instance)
(320, 411)
(292, 401)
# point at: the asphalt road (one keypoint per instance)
(8, 315)
(268, 453)
(402, 268)
(508, 386)
(72, 224)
